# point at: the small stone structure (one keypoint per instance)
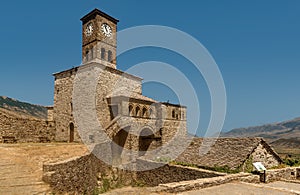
(232, 153)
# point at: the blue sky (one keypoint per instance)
(256, 45)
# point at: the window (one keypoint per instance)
(145, 113)
(87, 55)
(102, 53)
(92, 53)
(173, 113)
(114, 111)
(109, 56)
(150, 112)
(130, 108)
(137, 111)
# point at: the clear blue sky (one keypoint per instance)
(256, 45)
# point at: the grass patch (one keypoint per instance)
(221, 169)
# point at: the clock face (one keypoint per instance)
(89, 29)
(106, 29)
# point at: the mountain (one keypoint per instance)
(271, 132)
(23, 108)
(284, 137)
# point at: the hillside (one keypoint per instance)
(271, 132)
(23, 108)
(283, 136)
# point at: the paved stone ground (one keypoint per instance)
(21, 173)
(276, 188)
(235, 188)
(21, 165)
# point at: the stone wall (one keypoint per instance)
(290, 173)
(109, 80)
(83, 175)
(171, 173)
(25, 129)
(62, 111)
(86, 174)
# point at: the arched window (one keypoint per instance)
(173, 113)
(87, 52)
(109, 56)
(92, 53)
(150, 112)
(102, 53)
(145, 112)
(137, 111)
(130, 109)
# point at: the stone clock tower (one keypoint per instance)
(99, 41)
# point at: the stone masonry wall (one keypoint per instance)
(171, 173)
(25, 129)
(109, 80)
(83, 175)
(261, 154)
(86, 174)
(62, 110)
(290, 173)
(110, 84)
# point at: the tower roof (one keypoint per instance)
(95, 12)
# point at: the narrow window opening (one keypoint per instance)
(102, 53)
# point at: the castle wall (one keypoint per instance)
(25, 129)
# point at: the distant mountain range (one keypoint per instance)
(23, 108)
(283, 136)
(271, 132)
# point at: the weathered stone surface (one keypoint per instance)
(25, 129)
(290, 173)
(234, 153)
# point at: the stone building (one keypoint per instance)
(232, 153)
(128, 118)
(131, 120)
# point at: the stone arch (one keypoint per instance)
(150, 113)
(130, 110)
(146, 138)
(137, 111)
(118, 145)
(71, 132)
(87, 53)
(145, 113)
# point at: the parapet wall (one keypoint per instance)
(22, 129)
(290, 173)
(172, 173)
(81, 175)
(87, 174)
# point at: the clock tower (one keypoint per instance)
(99, 40)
